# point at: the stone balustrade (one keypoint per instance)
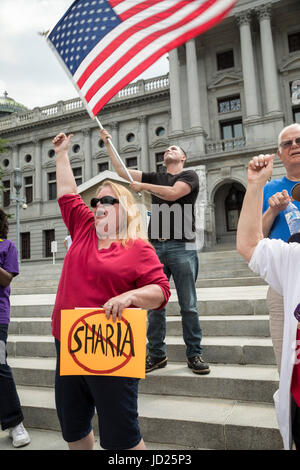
(139, 88)
(225, 145)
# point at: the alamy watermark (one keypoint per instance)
(173, 221)
(295, 90)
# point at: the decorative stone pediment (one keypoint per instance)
(290, 63)
(160, 143)
(28, 168)
(225, 79)
(76, 159)
(50, 164)
(101, 154)
(130, 148)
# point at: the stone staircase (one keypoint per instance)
(231, 408)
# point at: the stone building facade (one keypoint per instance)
(228, 94)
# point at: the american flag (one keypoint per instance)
(106, 44)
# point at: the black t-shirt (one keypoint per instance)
(174, 220)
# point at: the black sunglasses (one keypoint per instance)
(288, 143)
(105, 201)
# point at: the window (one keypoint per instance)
(77, 172)
(225, 60)
(49, 237)
(159, 162)
(51, 153)
(294, 42)
(160, 131)
(296, 115)
(76, 148)
(52, 192)
(232, 103)
(101, 143)
(131, 163)
(28, 158)
(6, 193)
(25, 245)
(28, 189)
(102, 167)
(6, 162)
(130, 137)
(231, 130)
(233, 206)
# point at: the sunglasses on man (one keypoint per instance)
(288, 143)
(105, 201)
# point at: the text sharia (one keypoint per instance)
(111, 341)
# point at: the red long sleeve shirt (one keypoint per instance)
(90, 277)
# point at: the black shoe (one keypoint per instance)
(153, 363)
(197, 365)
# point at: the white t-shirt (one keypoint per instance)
(279, 264)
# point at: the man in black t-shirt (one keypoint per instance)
(172, 233)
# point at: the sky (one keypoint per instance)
(29, 71)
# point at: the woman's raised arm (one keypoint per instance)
(65, 180)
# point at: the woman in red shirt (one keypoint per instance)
(109, 263)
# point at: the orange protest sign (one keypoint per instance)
(93, 345)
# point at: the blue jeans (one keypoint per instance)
(182, 264)
(10, 409)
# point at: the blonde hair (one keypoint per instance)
(134, 226)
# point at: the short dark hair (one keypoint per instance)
(183, 151)
(3, 224)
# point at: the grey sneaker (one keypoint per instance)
(198, 365)
(19, 436)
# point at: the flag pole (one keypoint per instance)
(117, 155)
(115, 152)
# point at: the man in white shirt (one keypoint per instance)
(278, 263)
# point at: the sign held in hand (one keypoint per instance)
(93, 345)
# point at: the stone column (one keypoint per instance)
(38, 170)
(175, 95)
(144, 143)
(193, 85)
(115, 134)
(15, 155)
(268, 58)
(205, 121)
(88, 168)
(250, 84)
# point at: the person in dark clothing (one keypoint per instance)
(172, 232)
(11, 416)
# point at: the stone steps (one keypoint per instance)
(231, 408)
(51, 440)
(205, 423)
(234, 300)
(216, 349)
(50, 287)
(231, 325)
(227, 381)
